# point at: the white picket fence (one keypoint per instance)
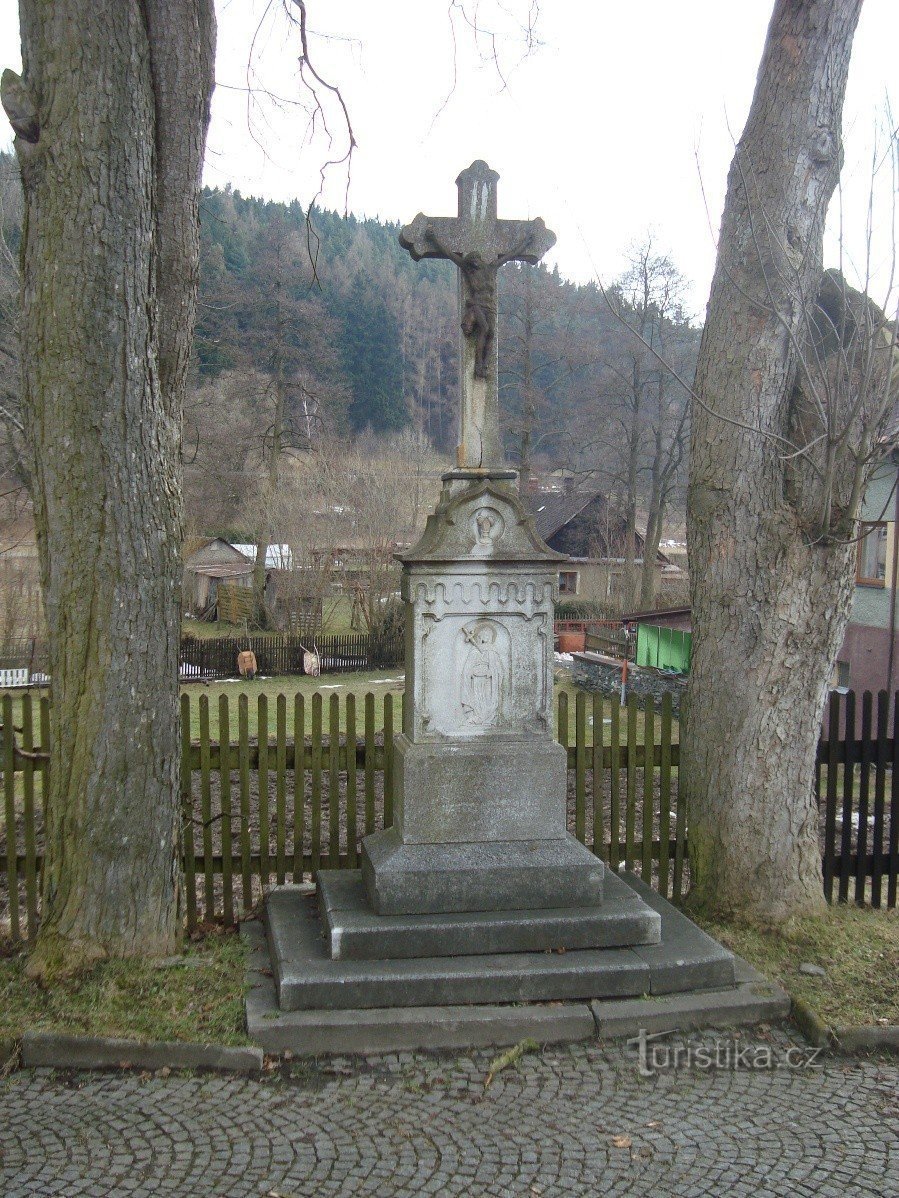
(12, 678)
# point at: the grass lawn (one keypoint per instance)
(359, 684)
(336, 616)
(199, 998)
(858, 947)
(341, 685)
(206, 630)
(564, 684)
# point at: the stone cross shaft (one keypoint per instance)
(479, 243)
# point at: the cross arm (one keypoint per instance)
(445, 242)
(522, 240)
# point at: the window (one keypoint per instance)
(840, 679)
(872, 555)
(568, 582)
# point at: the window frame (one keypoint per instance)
(866, 528)
(576, 575)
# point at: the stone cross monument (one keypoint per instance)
(479, 243)
(462, 900)
(479, 798)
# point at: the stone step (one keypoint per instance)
(313, 1032)
(354, 932)
(307, 978)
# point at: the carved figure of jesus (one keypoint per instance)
(479, 313)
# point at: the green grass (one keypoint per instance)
(206, 630)
(858, 947)
(199, 1000)
(379, 683)
(336, 614)
(564, 684)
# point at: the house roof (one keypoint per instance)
(552, 512)
(643, 617)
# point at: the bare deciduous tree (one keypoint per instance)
(110, 118)
(791, 397)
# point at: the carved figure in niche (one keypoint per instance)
(485, 522)
(479, 313)
(483, 681)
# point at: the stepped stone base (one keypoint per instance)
(743, 997)
(354, 932)
(307, 978)
(421, 879)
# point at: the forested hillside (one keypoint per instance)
(310, 334)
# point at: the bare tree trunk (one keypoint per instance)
(120, 90)
(648, 574)
(629, 573)
(770, 595)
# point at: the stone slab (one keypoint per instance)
(62, 1051)
(753, 1000)
(310, 1033)
(354, 932)
(686, 958)
(868, 1039)
(421, 879)
(484, 789)
(306, 978)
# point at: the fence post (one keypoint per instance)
(9, 791)
(225, 791)
(187, 817)
(830, 800)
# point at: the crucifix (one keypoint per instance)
(478, 243)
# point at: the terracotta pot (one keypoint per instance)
(572, 642)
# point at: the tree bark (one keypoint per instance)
(109, 265)
(770, 593)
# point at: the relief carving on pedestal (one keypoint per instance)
(488, 526)
(484, 683)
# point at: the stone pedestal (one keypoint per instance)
(480, 782)
(478, 894)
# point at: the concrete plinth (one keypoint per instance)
(420, 879)
(354, 932)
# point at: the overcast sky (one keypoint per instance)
(613, 125)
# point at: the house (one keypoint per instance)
(583, 525)
(869, 658)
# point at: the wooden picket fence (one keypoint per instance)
(264, 809)
(858, 788)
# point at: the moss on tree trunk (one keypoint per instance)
(109, 262)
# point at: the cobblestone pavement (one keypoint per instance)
(574, 1120)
